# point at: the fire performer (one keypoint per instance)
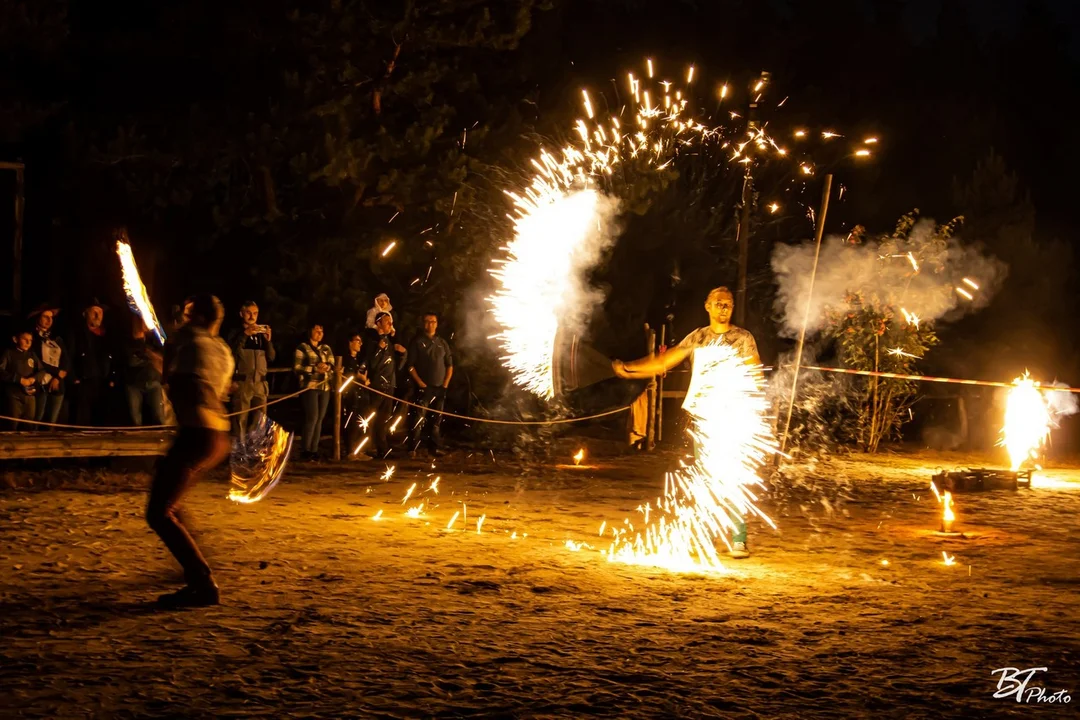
(198, 368)
(720, 304)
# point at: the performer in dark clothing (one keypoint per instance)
(91, 362)
(431, 365)
(198, 368)
(381, 365)
(55, 360)
(21, 376)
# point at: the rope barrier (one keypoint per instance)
(931, 378)
(494, 421)
(301, 392)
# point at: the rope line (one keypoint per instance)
(493, 421)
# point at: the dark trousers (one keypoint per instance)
(18, 404)
(425, 425)
(249, 401)
(195, 451)
(383, 407)
(90, 401)
(315, 403)
(150, 396)
(48, 408)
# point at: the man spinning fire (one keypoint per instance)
(720, 331)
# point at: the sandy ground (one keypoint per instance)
(328, 613)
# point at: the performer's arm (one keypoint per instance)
(650, 366)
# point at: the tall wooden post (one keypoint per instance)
(660, 393)
(743, 240)
(650, 423)
(337, 407)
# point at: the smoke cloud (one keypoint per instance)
(883, 269)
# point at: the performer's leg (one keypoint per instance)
(194, 451)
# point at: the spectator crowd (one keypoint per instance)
(108, 374)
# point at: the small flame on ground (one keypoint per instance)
(579, 456)
(480, 523)
(948, 559)
(377, 515)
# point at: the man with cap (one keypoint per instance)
(55, 361)
(91, 364)
(197, 369)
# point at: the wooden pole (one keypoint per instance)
(743, 241)
(809, 298)
(337, 407)
(650, 423)
(660, 393)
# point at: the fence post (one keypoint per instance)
(337, 407)
(660, 393)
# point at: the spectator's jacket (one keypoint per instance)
(53, 353)
(16, 364)
(351, 365)
(91, 357)
(138, 370)
(306, 358)
(381, 366)
(431, 358)
(198, 369)
(253, 353)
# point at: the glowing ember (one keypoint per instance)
(602, 526)
(579, 456)
(415, 512)
(434, 487)
(389, 473)
(948, 559)
(377, 515)
(1027, 422)
(453, 519)
(136, 291)
(389, 248)
(408, 494)
(347, 382)
(480, 523)
(258, 462)
(732, 436)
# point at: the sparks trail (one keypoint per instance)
(732, 437)
(931, 378)
(560, 217)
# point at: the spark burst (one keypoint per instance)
(1027, 422)
(732, 437)
(539, 274)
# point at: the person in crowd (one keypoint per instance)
(431, 365)
(719, 304)
(382, 362)
(353, 400)
(21, 375)
(91, 367)
(55, 360)
(197, 368)
(253, 351)
(142, 378)
(381, 305)
(313, 363)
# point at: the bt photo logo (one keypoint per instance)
(1015, 682)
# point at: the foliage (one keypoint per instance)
(872, 333)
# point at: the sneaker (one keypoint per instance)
(739, 551)
(190, 596)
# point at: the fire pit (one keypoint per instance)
(980, 479)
